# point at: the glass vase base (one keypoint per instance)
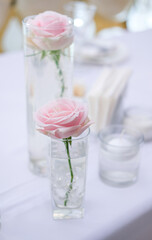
(118, 179)
(39, 167)
(68, 213)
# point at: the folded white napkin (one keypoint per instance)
(105, 95)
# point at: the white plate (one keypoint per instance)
(101, 52)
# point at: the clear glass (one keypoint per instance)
(140, 16)
(83, 14)
(119, 155)
(141, 119)
(68, 179)
(48, 74)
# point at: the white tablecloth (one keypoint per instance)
(110, 213)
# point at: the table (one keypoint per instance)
(110, 213)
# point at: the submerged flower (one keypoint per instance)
(50, 31)
(48, 34)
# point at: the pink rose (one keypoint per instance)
(50, 31)
(62, 118)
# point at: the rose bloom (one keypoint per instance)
(50, 31)
(62, 118)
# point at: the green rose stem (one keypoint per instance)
(56, 54)
(34, 54)
(68, 141)
(56, 57)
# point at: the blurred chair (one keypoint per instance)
(7, 13)
(111, 12)
(30, 7)
(11, 14)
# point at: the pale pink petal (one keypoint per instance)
(48, 127)
(70, 120)
(50, 31)
(82, 129)
(66, 132)
(63, 118)
(48, 134)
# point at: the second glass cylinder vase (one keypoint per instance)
(48, 72)
(68, 176)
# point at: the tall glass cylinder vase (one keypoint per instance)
(48, 72)
(68, 176)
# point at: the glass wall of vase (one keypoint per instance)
(48, 73)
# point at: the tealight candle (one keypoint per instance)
(139, 118)
(119, 155)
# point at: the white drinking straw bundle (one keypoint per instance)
(105, 95)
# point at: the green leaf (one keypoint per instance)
(70, 140)
(44, 53)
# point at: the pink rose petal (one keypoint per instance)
(62, 118)
(50, 31)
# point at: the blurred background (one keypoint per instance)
(105, 16)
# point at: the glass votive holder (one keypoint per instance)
(139, 118)
(119, 155)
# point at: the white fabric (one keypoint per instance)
(110, 213)
(105, 95)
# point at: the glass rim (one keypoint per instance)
(139, 137)
(80, 137)
(24, 22)
(135, 109)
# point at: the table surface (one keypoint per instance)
(110, 213)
